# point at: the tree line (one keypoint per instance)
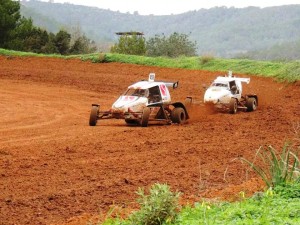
(19, 33)
(172, 46)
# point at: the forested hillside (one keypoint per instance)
(282, 52)
(219, 31)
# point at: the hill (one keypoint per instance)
(282, 52)
(219, 31)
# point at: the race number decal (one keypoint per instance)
(151, 77)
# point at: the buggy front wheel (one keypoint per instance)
(233, 106)
(94, 115)
(145, 117)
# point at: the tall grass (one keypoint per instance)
(276, 169)
(292, 69)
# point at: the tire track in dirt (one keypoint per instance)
(27, 118)
(54, 167)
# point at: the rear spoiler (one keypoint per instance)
(246, 80)
(167, 83)
(171, 84)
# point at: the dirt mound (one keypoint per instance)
(54, 167)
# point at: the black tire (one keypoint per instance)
(233, 106)
(94, 115)
(178, 115)
(145, 117)
(251, 104)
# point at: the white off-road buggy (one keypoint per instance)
(225, 93)
(144, 102)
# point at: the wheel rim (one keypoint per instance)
(182, 116)
(254, 105)
(235, 107)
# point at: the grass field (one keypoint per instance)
(283, 71)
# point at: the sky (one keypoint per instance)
(168, 7)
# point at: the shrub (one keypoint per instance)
(175, 45)
(205, 59)
(99, 58)
(160, 206)
(130, 44)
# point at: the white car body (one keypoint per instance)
(143, 101)
(224, 89)
(138, 96)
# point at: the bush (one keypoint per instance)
(99, 58)
(175, 45)
(130, 44)
(160, 206)
(205, 59)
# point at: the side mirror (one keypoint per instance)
(175, 85)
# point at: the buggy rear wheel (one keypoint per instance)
(145, 117)
(251, 104)
(233, 106)
(178, 115)
(94, 115)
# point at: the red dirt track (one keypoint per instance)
(55, 169)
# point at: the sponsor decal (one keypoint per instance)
(128, 98)
(163, 90)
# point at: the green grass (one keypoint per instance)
(280, 205)
(282, 71)
(268, 208)
(24, 54)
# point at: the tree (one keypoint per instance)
(131, 44)
(50, 45)
(26, 37)
(36, 41)
(173, 46)
(155, 46)
(9, 16)
(62, 42)
(83, 45)
(19, 34)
